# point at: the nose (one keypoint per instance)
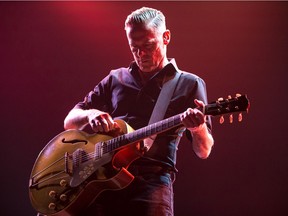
(140, 52)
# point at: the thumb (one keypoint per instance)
(199, 103)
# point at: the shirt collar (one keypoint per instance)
(133, 66)
(173, 62)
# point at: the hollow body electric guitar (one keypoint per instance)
(75, 167)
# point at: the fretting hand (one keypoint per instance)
(193, 118)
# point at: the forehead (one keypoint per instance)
(140, 33)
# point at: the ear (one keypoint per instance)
(166, 37)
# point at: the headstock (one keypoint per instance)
(238, 104)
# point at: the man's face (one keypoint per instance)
(147, 47)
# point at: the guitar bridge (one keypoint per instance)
(55, 170)
(68, 160)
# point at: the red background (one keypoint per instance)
(53, 53)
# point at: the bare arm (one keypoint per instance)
(202, 141)
(194, 121)
(99, 121)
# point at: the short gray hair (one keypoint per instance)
(146, 16)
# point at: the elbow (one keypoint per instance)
(71, 120)
(203, 154)
(75, 120)
(68, 124)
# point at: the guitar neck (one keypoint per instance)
(142, 133)
(230, 105)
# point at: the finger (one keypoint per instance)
(199, 103)
(111, 123)
(200, 118)
(96, 125)
(106, 122)
(193, 118)
(116, 125)
(199, 114)
(188, 118)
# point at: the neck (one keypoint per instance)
(146, 76)
(164, 62)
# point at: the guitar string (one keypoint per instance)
(109, 144)
(103, 149)
(132, 138)
(92, 155)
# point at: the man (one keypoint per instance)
(130, 94)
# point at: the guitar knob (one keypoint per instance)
(63, 197)
(231, 118)
(52, 194)
(52, 206)
(240, 117)
(221, 120)
(63, 183)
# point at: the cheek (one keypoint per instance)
(134, 56)
(158, 53)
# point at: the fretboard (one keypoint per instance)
(142, 133)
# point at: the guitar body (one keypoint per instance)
(71, 171)
(75, 167)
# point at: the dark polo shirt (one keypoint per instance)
(122, 94)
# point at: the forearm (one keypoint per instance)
(202, 141)
(77, 119)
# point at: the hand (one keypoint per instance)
(193, 118)
(101, 121)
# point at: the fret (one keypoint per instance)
(158, 127)
(165, 124)
(148, 131)
(130, 137)
(113, 144)
(98, 152)
(141, 133)
(136, 136)
(153, 129)
(109, 146)
(170, 122)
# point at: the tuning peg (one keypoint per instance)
(231, 118)
(219, 100)
(240, 117)
(221, 120)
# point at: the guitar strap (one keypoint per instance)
(161, 106)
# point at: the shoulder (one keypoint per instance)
(115, 75)
(123, 70)
(185, 75)
(121, 73)
(190, 77)
(118, 71)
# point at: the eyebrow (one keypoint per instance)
(150, 41)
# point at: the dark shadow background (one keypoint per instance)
(53, 53)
